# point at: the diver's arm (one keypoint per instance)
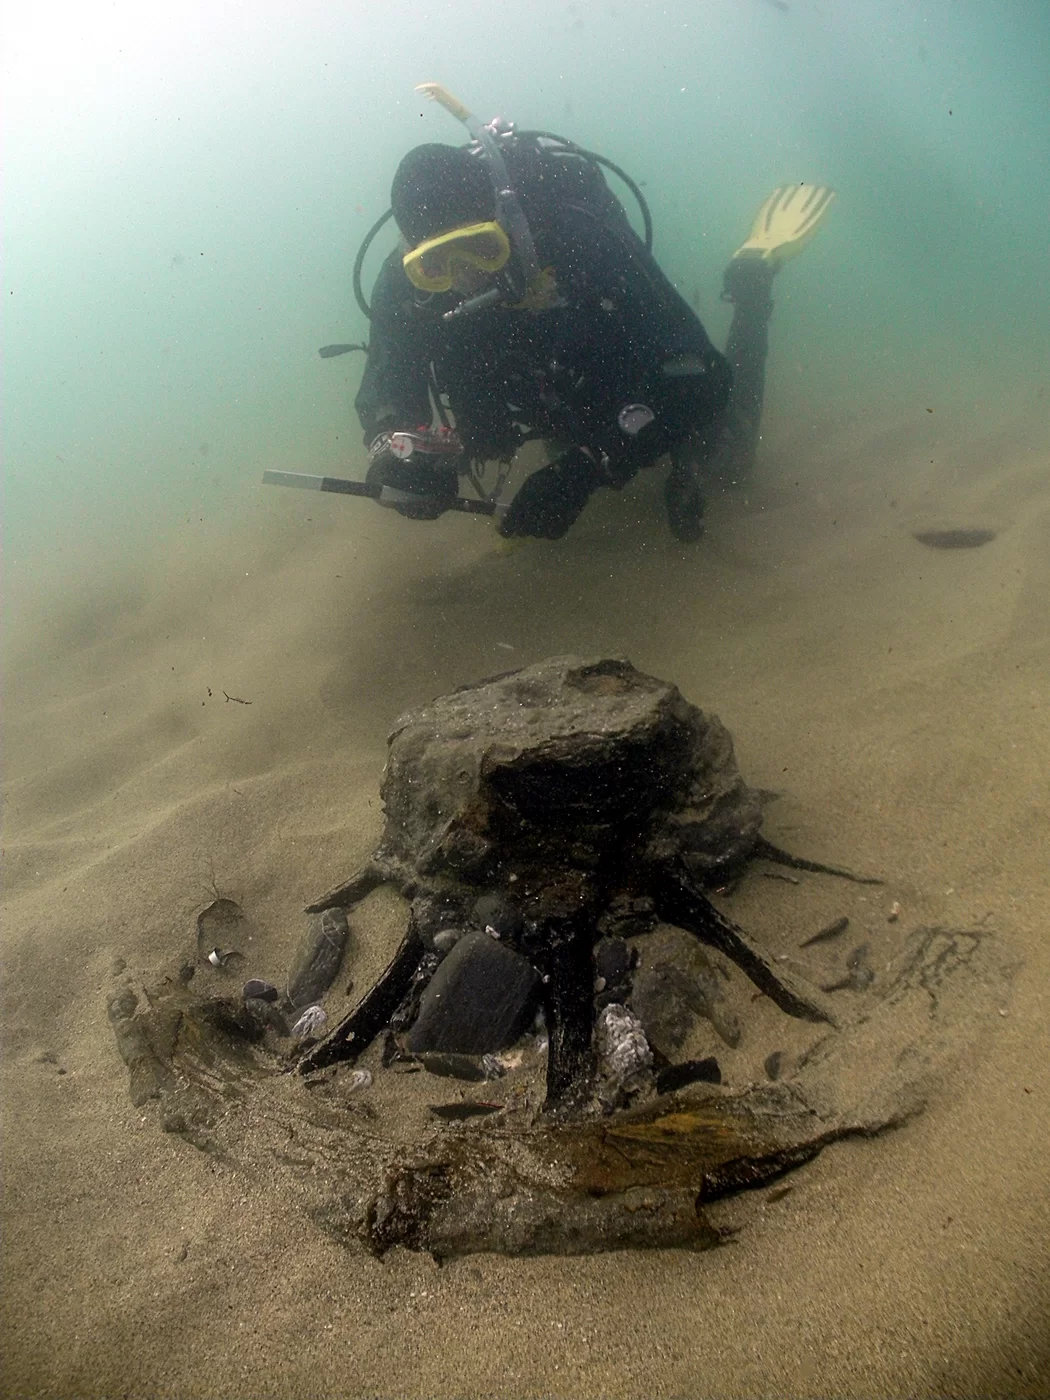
(394, 392)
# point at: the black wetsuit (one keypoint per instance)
(620, 335)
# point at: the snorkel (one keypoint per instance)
(508, 207)
(541, 290)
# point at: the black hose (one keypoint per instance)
(647, 218)
(359, 261)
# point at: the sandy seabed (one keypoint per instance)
(896, 695)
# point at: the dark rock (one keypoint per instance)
(480, 999)
(612, 961)
(774, 1064)
(446, 940)
(861, 971)
(565, 754)
(493, 911)
(664, 1000)
(628, 916)
(859, 974)
(256, 987)
(676, 983)
(674, 1077)
(434, 915)
(318, 959)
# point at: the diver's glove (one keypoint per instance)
(418, 471)
(553, 497)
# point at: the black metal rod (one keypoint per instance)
(344, 486)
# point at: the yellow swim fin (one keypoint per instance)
(786, 222)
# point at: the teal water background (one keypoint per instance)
(185, 192)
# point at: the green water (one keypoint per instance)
(185, 193)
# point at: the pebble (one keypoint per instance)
(863, 975)
(318, 959)
(673, 1077)
(480, 999)
(666, 998)
(612, 960)
(310, 1023)
(264, 991)
(358, 1079)
(474, 1068)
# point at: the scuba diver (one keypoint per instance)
(521, 304)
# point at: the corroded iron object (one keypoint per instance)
(563, 809)
(563, 789)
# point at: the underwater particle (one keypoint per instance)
(954, 539)
(310, 1023)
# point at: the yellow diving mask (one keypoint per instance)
(431, 265)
